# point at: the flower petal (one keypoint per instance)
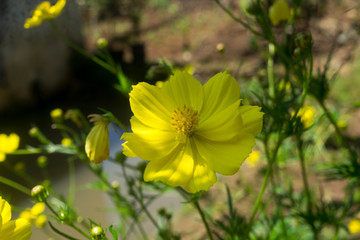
(226, 157)
(220, 91)
(151, 106)
(5, 211)
(19, 229)
(252, 119)
(222, 125)
(148, 143)
(174, 170)
(203, 178)
(185, 90)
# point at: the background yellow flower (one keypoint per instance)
(8, 144)
(34, 215)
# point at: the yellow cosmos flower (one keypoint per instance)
(66, 142)
(44, 11)
(307, 115)
(354, 226)
(188, 131)
(8, 144)
(19, 229)
(279, 11)
(34, 215)
(253, 158)
(97, 142)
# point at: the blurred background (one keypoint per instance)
(39, 72)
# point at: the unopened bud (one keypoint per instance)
(39, 193)
(102, 43)
(220, 47)
(42, 161)
(97, 233)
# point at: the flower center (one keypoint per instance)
(184, 120)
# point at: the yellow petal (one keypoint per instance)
(148, 143)
(354, 226)
(2, 156)
(26, 215)
(222, 125)
(5, 211)
(226, 157)
(151, 106)
(174, 170)
(203, 178)
(38, 208)
(19, 229)
(184, 89)
(220, 91)
(279, 11)
(252, 119)
(40, 221)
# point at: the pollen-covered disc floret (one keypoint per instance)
(189, 132)
(184, 120)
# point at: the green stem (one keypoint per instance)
(304, 173)
(343, 141)
(15, 185)
(186, 196)
(270, 69)
(80, 231)
(197, 205)
(244, 24)
(82, 51)
(72, 182)
(264, 184)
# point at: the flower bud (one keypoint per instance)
(34, 131)
(220, 47)
(97, 233)
(102, 43)
(39, 193)
(56, 114)
(97, 141)
(42, 161)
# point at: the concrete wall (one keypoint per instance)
(34, 62)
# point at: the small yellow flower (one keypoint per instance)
(189, 131)
(253, 158)
(307, 115)
(34, 215)
(57, 113)
(279, 11)
(44, 11)
(354, 226)
(97, 142)
(66, 142)
(19, 229)
(8, 144)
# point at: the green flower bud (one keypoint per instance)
(42, 161)
(102, 43)
(39, 193)
(97, 233)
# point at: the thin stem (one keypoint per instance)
(186, 196)
(82, 51)
(197, 205)
(264, 184)
(270, 69)
(15, 185)
(80, 231)
(304, 173)
(139, 200)
(72, 182)
(244, 24)
(343, 141)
